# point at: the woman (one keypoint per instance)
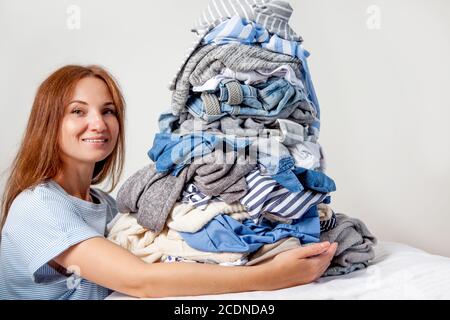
(53, 242)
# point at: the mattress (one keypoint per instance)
(398, 271)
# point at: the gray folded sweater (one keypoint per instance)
(355, 245)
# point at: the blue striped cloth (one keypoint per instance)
(42, 223)
(266, 195)
(273, 15)
(237, 30)
(329, 224)
(193, 196)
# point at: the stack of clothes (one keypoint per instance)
(237, 173)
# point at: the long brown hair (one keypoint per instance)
(38, 157)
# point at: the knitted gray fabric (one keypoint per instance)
(240, 58)
(208, 61)
(151, 195)
(130, 192)
(340, 271)
(223, 174)
(355, 244)
(182, 86)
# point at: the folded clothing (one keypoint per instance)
(355, 244)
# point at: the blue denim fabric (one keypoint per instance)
(224, 234)
(303, 55)
(275, 160)
(315, 180)
(166, 122)
(296, 49)
(174, 152)
(288, 180)
(299, 179)
(264, 100)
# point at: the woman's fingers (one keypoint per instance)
(327, 255)
(302, 265)
(323, 261)
(311, 250)
(331, 250)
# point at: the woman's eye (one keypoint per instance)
(77, 112)
(110, 111)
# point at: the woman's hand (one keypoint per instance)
(298, 266)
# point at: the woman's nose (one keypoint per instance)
(97, 122)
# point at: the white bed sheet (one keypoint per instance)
(398, 272)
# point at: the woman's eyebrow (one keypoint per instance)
(109, 103)
(78, 101)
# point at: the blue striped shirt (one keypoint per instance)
(42, 223)
(267, 195)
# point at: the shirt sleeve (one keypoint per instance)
(42, 226)
(112, 206)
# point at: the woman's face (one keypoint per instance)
(89, 128)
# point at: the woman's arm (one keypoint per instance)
(113, 267)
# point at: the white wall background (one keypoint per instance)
(383, 92)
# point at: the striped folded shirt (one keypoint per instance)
(266, 195)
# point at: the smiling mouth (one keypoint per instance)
(95, 140)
